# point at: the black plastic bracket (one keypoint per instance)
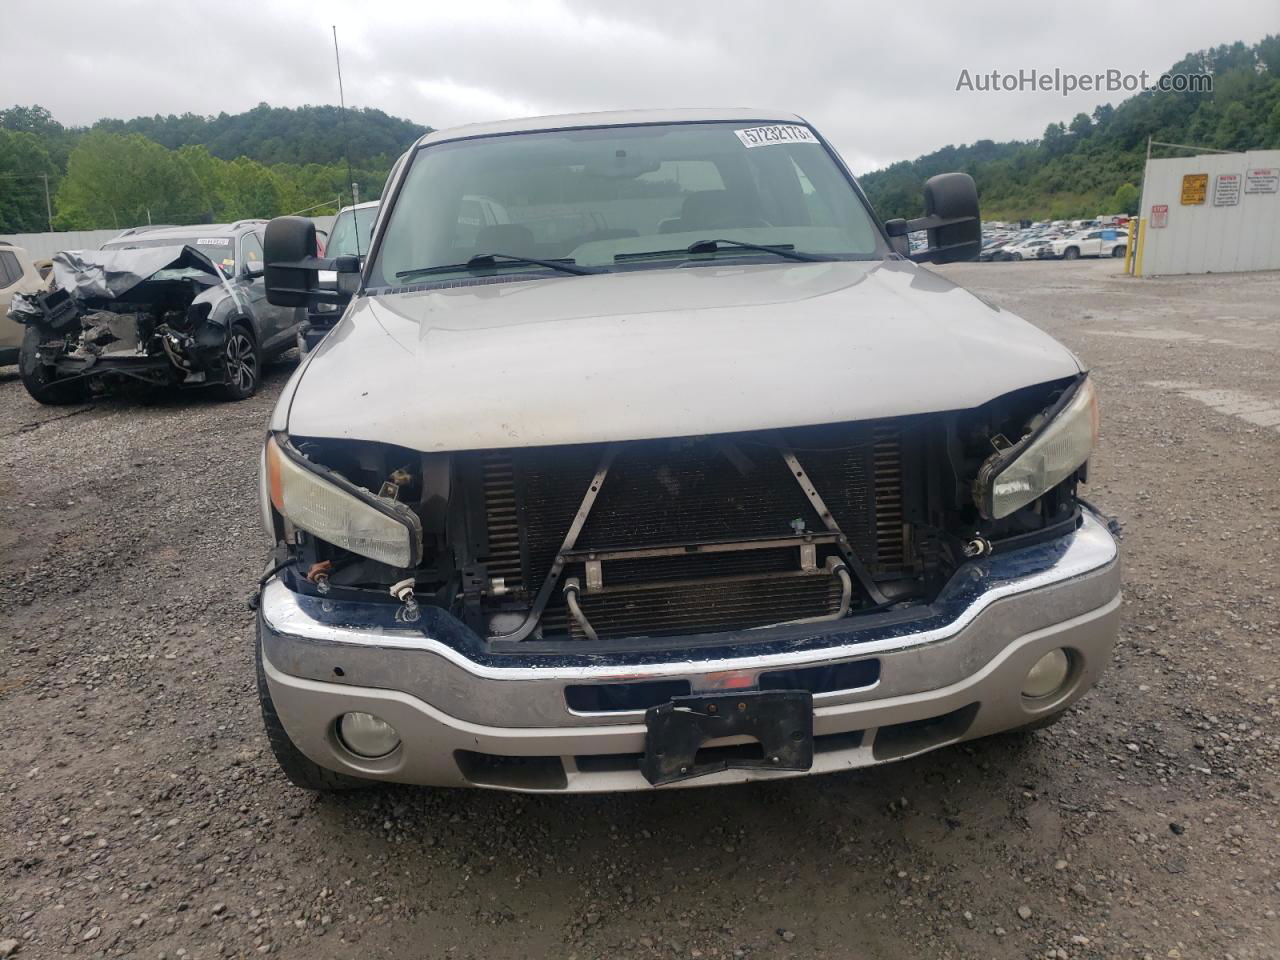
(781, 720)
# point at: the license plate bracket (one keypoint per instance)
(782, 720)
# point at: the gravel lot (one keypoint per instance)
(142, 815)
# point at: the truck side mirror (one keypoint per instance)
(288, 243)
(292, 268)
(951, 219)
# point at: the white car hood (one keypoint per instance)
(659, 353)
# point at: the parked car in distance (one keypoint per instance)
(991, 249)
(17, 275)
(1091, 243)
(350, 236)
(725, 487)
(1023, 249)
(181, 306)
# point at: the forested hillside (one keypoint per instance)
(1093, 163)
(273, 135)
(186, 169)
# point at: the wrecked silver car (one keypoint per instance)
(165, 308)
(672, 469)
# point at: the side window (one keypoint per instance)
(251, 252)
(1094, 235)
(10, 270)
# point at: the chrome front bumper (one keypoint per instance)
(472, 716)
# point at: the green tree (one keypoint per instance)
(254, 190)
(24, 162)
(1125, 199)
(117, 181)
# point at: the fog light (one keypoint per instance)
(367, 736)
(1048, 675)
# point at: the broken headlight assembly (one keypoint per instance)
(1056, 444)
(331, 508)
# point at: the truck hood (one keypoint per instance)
(659, 353)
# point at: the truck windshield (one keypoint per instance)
(588, 196)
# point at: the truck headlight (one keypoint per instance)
(332, 508)
(1050, 453)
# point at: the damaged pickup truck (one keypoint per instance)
(181, 306)
(678, 472)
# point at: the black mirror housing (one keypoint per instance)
(288, 243)
(953, 197)
(951, 219)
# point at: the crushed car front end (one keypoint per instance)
(124, 316)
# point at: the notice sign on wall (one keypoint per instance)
(1159, 215)
(1262, 180)
(1226, 190)
(1194, 188)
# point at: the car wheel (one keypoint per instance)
(1017, 256)
(301, 771)
(40, 379)
(1071, 253)
(1117, 251)
(242, 362)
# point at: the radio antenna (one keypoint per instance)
(346, 143)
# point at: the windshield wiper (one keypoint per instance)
(787, 250)
(482, 261)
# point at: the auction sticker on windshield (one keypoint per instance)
(775, 133)
(214, 242)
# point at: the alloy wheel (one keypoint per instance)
(242, 361)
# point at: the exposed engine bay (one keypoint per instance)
(137, 314)
(611, 543)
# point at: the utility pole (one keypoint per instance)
(48, 207)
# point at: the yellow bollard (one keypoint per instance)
(1142, 236)
(1129, 252)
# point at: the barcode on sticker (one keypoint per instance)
(214, 241)
(775, 133)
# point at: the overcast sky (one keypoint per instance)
(879, 79)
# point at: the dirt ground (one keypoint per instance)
(141, 814)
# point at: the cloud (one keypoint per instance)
(879, 81)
